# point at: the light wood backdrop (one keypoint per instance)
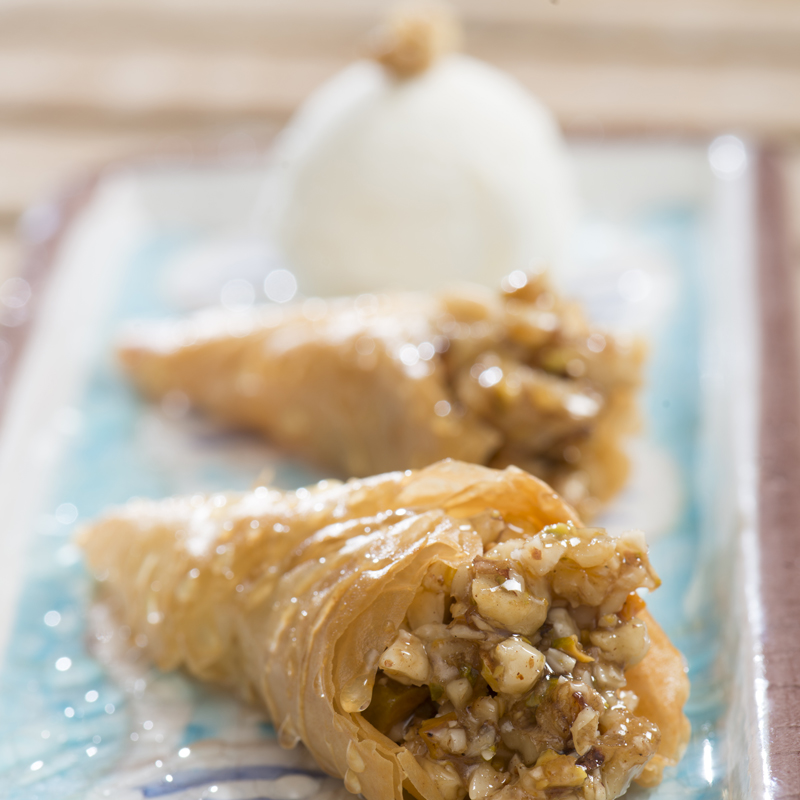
(83, 81)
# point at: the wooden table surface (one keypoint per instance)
(85, 81)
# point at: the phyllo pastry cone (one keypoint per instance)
(372, 384)
(447, 633)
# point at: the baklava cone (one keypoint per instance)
(448, 632)
(371, 384)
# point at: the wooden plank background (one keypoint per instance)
(84, 81)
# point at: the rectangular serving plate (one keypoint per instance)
(83, 713)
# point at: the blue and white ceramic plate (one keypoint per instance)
(665, 252)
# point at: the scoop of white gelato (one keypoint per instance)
(456, 173)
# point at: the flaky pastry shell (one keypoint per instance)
(366, 385)
(290, 598)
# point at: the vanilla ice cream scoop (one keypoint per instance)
(418, 167)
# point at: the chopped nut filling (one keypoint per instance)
(508, 678)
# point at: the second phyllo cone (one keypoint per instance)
(366, 385)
